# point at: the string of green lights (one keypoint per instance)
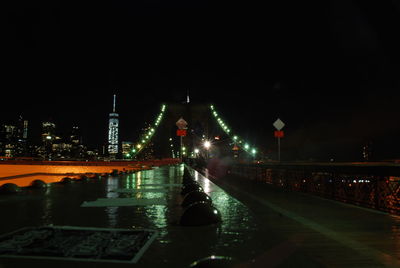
(147, 135)
(238, 141)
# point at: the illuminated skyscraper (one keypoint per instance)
(113, 131)
(48, 139)
(25, 132)
(22, 128)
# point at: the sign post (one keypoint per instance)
(182, 126)
(278, 124)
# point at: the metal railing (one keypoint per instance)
(372, 185)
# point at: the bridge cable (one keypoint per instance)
(237, 140)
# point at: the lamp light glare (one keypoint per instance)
(207, 144)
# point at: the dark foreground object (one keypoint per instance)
(9, 188)
(77, 243)
(200, 213)
(195, 196)
(213, 262)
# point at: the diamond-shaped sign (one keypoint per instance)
(278, 124)
(181, 123)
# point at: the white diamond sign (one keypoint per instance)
(181, 123)
(278, 124)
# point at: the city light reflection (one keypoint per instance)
(112, 212)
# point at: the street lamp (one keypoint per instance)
(207, 145)
(253, 152)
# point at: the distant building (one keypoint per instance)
(148, 152)
(8, 140)
(9, 132)
(69, 145)
(13, 142)
(61, 149)
(48, 139)
(22, 128)
(92, 154)
(127, 147)
(76, 136)
(48, 131)
(113, 125)
(75, 140)
(367, 151)
(25, 130)
(21, 145)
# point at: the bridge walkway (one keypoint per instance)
(262, 226)
(332, 233)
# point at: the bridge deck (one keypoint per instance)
(262, 226)
(335, 234)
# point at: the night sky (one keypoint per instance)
(329, 70)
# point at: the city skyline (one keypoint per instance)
(331, 75)
(341, 122)
(287, 154)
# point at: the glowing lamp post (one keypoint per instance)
(196, 152)
(254, 152)
(207, 145)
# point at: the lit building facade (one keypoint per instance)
(22, 128)
(113, 125)
(8, 140)
(13, 138)
(48, 131)
(25, 130)
(75, 139)
(48, 139)
(10, 131)
(127, 147)
(148, 151)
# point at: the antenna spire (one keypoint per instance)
(115, 96)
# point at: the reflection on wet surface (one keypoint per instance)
(112, 212)
(61, 205)
(282, 229)
(237, 221)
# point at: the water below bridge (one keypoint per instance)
(262, 226)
